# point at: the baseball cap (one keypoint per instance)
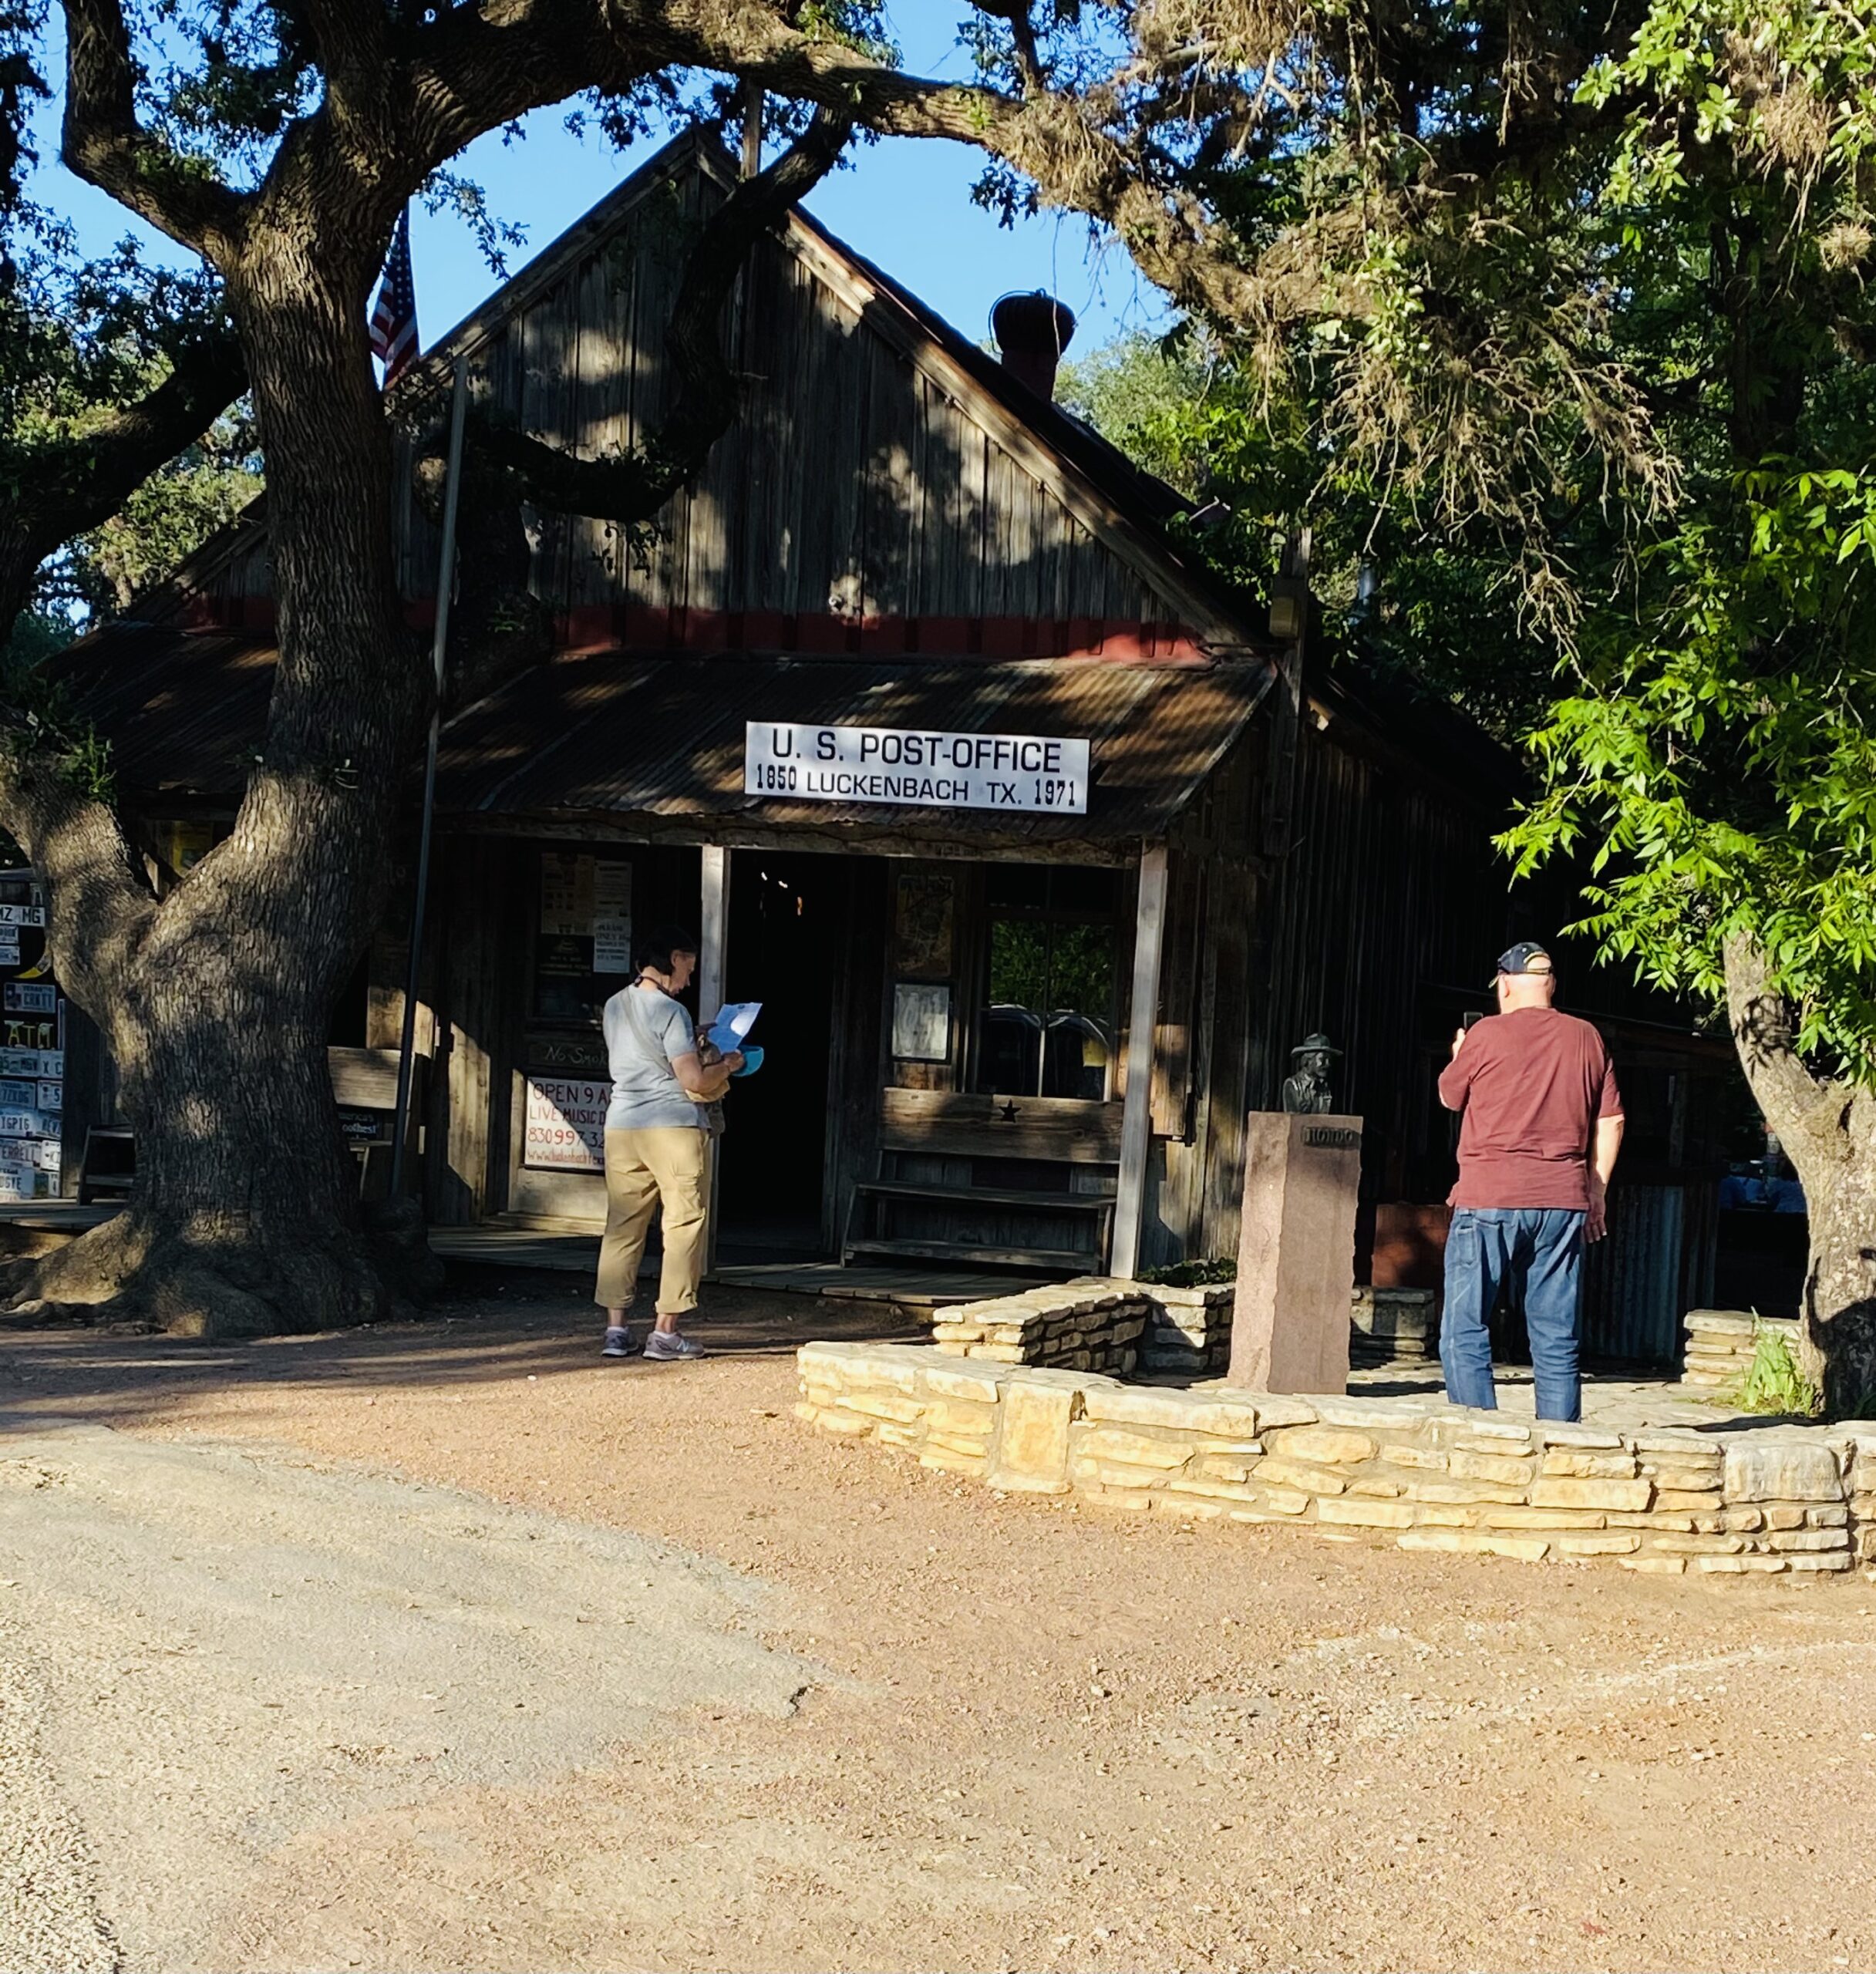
(1522, 958)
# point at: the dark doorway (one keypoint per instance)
(787, 941)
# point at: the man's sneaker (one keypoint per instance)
(618, 1343)
(664, 1346)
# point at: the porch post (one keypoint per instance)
(713, 941)
(1143, 1020)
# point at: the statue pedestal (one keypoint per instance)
(1296, 1254)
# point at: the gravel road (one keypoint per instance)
(450, 1646)
(216, 1650)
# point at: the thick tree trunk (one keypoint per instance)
(215, 1001)
(1828, 1130)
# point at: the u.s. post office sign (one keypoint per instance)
(917, 767)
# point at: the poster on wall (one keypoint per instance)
(612, 917)
(566, 1125)
(566, 895)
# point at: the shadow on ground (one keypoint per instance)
(489, 1324)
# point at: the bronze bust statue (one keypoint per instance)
(1306, 1090)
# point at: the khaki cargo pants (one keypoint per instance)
(671, 1164)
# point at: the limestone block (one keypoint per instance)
(1679, 1524)
(882, 1405)
(1507, 1469)
(1460, 1491)
(1311, 1480)
(1784, 1515)
(947, 1333)
(1565, 1463)
(1115, 1474)
(1763, 1467)
(1031, 1448)
(1632, 1495)
(1589, 1439)
(1138, 1407)
(1719, 1323)
(1684, 1480)
(1656, 1565)
(1224, 1468)
(1674, 1501)
(1210, 1489)
(1742, 1565)
(1115, 1442)
(968, 1445)
(1811, 1538)
(949, 1381)
(1616, 1544)
(1700, 1545)
(1282, 1501)
(1484, 1432)
(904, 1437)
(1741, 1519)
(1274, 1409)
(1368, 1414)
(1836, 1559)
(1326, 1445)
(1375, 1487)
(997, 1353)
(1366, 1515)
(1831, 1515)
(1523, 1549)
(1541, 1518)
(1426, 1458)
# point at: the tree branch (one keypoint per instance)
(634, 488)
(77, 845)
(1804, 1109)
(104, 142)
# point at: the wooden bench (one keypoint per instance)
(953, 1133)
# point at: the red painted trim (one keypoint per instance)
(637, 626)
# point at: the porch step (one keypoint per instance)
(1076, 1260)
(1040, 1202)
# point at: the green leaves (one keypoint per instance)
(1722, 767)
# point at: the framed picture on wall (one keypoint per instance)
(921, 1021)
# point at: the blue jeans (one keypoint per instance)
(1539, 1249)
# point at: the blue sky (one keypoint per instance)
(906, 205)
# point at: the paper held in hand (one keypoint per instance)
(734, 1020)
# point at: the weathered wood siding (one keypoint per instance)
(853, 487)
(1383, 896)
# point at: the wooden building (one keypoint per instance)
(1020, 1033)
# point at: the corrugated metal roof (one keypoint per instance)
(617, 733)
(184, 711)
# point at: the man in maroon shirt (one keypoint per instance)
(1543, 1124)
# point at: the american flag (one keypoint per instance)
(394, 314)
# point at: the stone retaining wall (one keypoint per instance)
(1135, 1328)
(1420, 1473)
(1719, 1345)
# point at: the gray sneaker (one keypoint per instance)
(619, 1343)
(665, 1346)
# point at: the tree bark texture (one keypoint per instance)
(1828, 1130)
(215, 1000)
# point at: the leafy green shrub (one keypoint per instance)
(1772, 1382)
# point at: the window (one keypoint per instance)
(1047, 1028)
(583, 939)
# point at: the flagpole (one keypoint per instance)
(446, 582)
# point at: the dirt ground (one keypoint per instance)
(450, 1646)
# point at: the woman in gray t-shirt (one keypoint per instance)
(657, 1145)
